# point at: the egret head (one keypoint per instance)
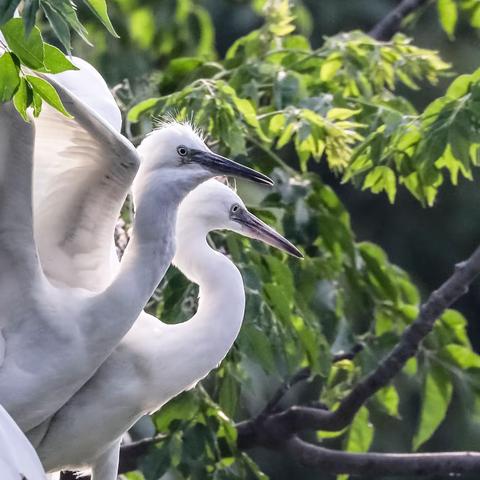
(179, 152)
(215, 206)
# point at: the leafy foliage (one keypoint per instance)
(449, 12)
(26, 52)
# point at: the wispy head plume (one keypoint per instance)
(173, 117)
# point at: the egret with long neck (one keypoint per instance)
(62, 313)
(156, 361)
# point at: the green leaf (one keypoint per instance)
(436, 396)
(47, 93)
(67, 12)
(229, 392)
(389, 400)
(457, 324)
(28, 49)
(182, 407)
(29, 12)
(330, 67)
(259, 347)
(55, 61)
(382, 178)
(462, 356)
(142, 26)
(7, 9)
(9, 79)
(360, 435)
(206, 30)
(36, 102)
(154, 466)
(448, 13)
(21, 99)
(58, 24)
(140, 108)
(99, 8)
(134, 476)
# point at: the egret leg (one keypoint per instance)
(106, 465)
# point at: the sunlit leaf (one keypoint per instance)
(21, 98)
(436, 396)
(448, 13)
(99, 8)
(28, 49)
(9, 79)
(55, 61)
(47, 93)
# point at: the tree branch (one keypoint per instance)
(271, 406)
(300, 376)
(386, 28)
(269, 430)
(380, 464)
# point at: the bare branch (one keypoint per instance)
(386, 28)
(382, 464)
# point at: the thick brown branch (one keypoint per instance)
(295, 419)
(386, 28)
(382, 464)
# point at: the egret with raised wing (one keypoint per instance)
(65, 304)
(156, 361)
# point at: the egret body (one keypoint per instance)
(65, 303)
(156, 361)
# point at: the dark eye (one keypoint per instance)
(182, 151)
(235, 208)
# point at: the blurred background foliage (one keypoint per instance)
(373, 149)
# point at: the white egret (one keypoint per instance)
(18, 458)
(156, 361)
(62, 310)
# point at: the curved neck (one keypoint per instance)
(203, 341)
(146, 258)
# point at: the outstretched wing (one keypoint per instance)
(83, 169)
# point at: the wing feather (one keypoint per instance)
(83, 169)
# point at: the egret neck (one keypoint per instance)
(203, 341)
(148, 254)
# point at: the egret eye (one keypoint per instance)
(235, 208)
(182, 150)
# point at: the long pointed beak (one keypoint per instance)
(225, 166)
(255, 228)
